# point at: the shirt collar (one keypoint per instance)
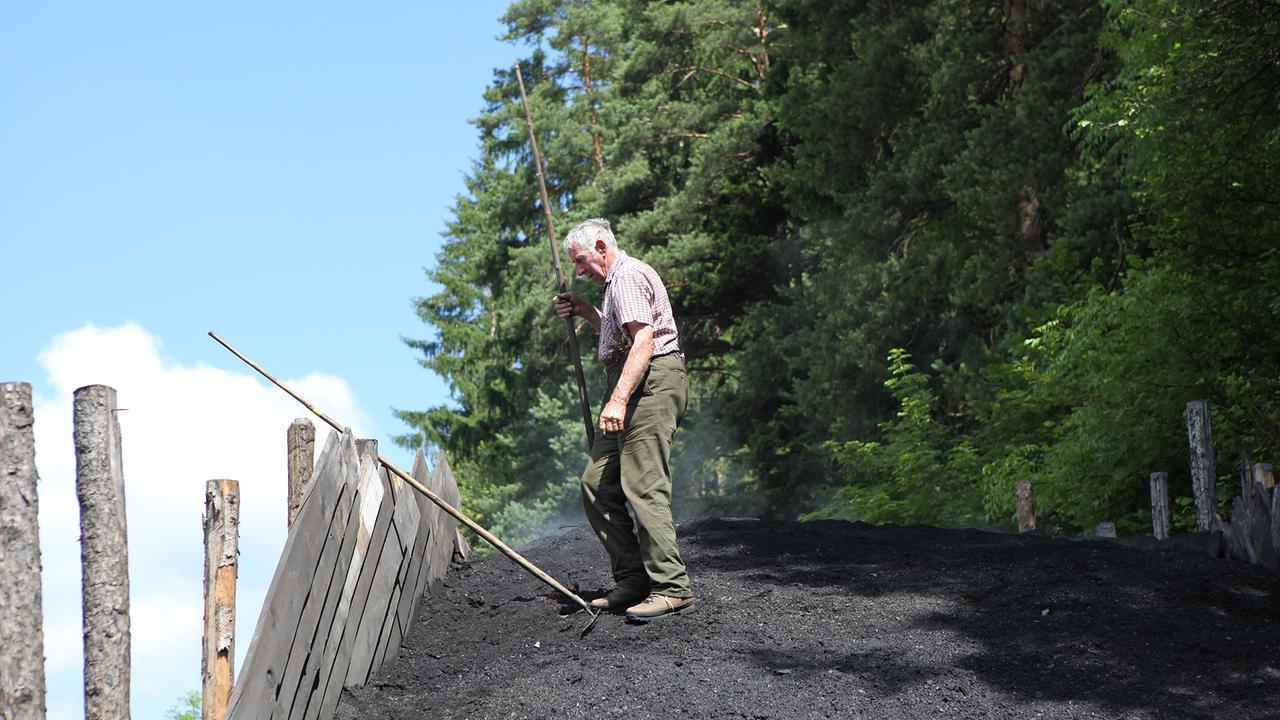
(617, 263)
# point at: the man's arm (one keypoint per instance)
(568, 305)
(633, 370)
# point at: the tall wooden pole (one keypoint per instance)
(104, 554)
(1160, 520)
(555, 256)
(21, 618)
(221, 548)
(1204, 473)
(302, 454)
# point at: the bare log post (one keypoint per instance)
(221, 547)
(1026, 506)
(21, 619)
(104, 554)
(1203, 471)
(1264, 473)
(1161, 522)
(302, 453)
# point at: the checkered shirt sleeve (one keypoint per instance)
(635, 293)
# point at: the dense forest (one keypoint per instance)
(918, 250)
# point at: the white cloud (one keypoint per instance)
(181, 426)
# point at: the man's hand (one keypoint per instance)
(612, 417)
(565, 303)
(569, 305)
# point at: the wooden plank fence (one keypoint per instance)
(361, 553)
(1253, 534)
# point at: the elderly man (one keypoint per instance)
(645, 401)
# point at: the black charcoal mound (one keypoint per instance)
(847, 620)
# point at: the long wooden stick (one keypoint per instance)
(555, 256)
(457, 514)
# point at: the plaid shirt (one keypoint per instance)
(633, 292)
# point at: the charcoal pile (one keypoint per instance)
(847, 620)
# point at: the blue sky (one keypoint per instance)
(277, 172)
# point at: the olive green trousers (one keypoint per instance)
(634, 467)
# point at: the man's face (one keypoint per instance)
(591, 262)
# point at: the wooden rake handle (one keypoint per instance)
(583, 402)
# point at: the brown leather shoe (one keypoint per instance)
(657, 605)
(618, 598)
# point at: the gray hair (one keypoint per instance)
(585, 234)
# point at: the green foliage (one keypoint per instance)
(923, 472)
(1192, 122)
(1056, 220)
(187, 708)
(675, 106)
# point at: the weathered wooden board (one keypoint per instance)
(1259, 537)
(1232, 547)
(420, 570)
(385, 632)
(1254, 528)
(378, 606)
(260, 676)
(440, 546)
(462, 548)
(363, 551)
(375, 519)
(404, 527)
(311, 619)
(417, 584)
(1273, 499)
(328, 640)
(392, 635)
(301, 664)
(313, 660)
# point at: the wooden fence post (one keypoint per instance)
(302, 453)
(221, 546)
(1026, 506)
(1161, 523)
(1203, 471)
(21, 618)
(104, 554)
(1264, 473)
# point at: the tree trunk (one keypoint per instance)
(1017, 33)
(591, 106)
(104, 554)
(21, 619)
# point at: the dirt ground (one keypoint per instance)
(846, 620)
